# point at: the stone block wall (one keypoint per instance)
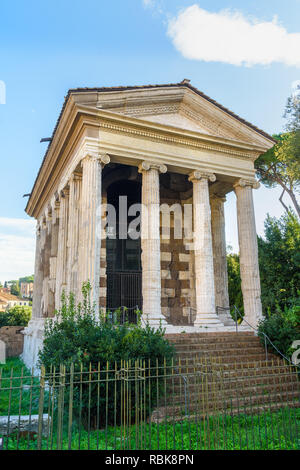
(176, 273)
(14, 340)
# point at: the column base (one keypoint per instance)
(155, 322)
(33, 342)
(207, 319)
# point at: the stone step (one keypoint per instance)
(227, 358)
(211, 391)
(161, 415)
(233, 367)
(196, 382)
(217, 352)
(223, 343)
(237, 402)
(217, 346)
(211, 337)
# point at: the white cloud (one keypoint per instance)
(17, 248)
(148, 3)
(230, 37)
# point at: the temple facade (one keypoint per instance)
(130, 197)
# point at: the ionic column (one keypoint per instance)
(150, 241)
(219, 251)
(203, 250)
(90, 224)
(46, 254)
(61, 262)
(248, 250)
(33, 333)
(73, 232)
(53, 254)
(38, 274)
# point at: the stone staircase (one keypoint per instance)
(228, 373)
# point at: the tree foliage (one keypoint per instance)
(27, 279)
(281, 164)
(234, 282)
(19, 315)
(92, 344)
(279, 261)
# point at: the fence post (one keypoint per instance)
(71, 406)
(41, 408)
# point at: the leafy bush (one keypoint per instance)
(279, 261)
(282, 327)
(77, 337)
(234, 284)
(19, 315)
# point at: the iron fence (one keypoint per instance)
(194, 404)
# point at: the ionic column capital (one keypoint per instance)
(198, 175)
(65, 192)
(48, 213)
(76, 176)
(43, 222)
(146, 166)
(103, 159)
(55, 204)
(217, 199)
(250, 182)
(38, 228)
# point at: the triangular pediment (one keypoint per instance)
(180, 106)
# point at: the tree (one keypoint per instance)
(19, 315)
(234, 282)
(14, 288)
(279, 261)
(281, 164)
(26, 279)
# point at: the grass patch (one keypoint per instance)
(268, 431)
(19, 391)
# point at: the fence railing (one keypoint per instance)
(122, 315)
(195, 404)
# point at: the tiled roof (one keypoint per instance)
(6, 297)
(184, 83)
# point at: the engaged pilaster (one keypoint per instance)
(73, 232)
(90, 223)
(61, 262)
(38, 274)
(203, 250)
(248, 250)
(150, 228)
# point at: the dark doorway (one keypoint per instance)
(123, 254)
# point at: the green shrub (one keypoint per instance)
(77, 337)
(19, 315)
(282, 327)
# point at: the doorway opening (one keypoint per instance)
(123, 254)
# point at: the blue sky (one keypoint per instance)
(48, 47)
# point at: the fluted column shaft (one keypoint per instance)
(150, 226)
(248, 251)
(73, 232)
(90, 224)
(219, 251)
(61, 262)
(53, 256)
(203, 250)
(38, 276)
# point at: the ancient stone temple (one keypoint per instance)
(172, 152)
